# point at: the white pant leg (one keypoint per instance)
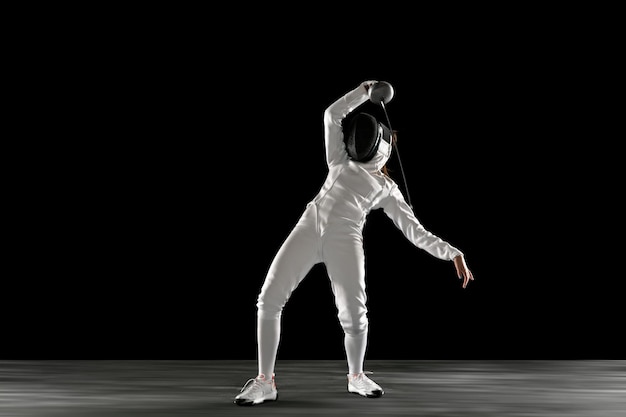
(294, 259)
(345, 262)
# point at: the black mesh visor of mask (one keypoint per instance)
(362, 135)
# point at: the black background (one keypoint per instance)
(185, 153)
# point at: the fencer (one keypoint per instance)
(330, 231)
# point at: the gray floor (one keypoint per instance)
(175, 388)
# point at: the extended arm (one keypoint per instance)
(398, 210)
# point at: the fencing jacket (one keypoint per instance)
(352, 189)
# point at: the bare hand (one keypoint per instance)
(368, 84)
(462, 271)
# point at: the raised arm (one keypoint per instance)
(333, 117)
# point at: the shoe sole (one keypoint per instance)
(249, 403)
(374, 394)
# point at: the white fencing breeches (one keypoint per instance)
(338, 243)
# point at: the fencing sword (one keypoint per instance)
(380, 93)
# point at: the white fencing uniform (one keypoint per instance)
(330, 232)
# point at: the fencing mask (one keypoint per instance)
(362, 135)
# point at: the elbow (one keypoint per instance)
(331, 117)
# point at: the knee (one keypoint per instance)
(268, 311)
(354, 324)
(272, 298)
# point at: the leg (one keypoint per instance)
(294, 259)
(345, 262)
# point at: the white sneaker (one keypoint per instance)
(257, 390)
(362, 385)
